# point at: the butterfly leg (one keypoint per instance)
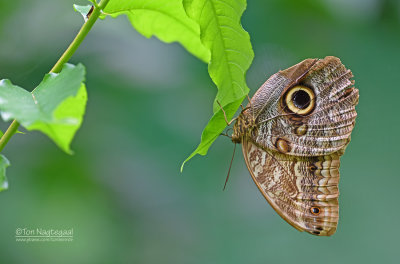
(226, 119)
(225, 134)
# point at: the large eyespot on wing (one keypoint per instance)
(299, 100)
(315, 116)
(302, 190)
(264, 99)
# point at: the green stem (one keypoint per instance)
(79, 37)
(12, 129)
(9, 133)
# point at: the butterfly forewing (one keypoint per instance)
(324, 130)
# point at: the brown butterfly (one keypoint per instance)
(293, 132)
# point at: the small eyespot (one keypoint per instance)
(316, 232)
(301, 130)
(315, 210)
(300, 100)
(312, 167)
(282, 145)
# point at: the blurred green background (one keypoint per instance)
(122, 191)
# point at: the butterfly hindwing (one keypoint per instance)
(302, 190)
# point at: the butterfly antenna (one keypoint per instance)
(230, 166)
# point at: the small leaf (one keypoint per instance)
(4, 163)
(165, 19)
(56, 107)
(231, 56)
(83, 10)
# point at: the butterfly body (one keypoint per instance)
(293, 132)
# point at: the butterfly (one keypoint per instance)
(293, 132)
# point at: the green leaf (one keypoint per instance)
(231, 56)
(83, 10)
(56, 107)
(165, 19)
(213, 130)
(4, 163)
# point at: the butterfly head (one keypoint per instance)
(245, 126)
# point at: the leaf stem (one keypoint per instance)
(8, 134)
(12, 129)
(79, 37)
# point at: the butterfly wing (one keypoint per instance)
(324, 130)
(302, 121)
(302, 190)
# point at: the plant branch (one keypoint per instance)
(12, 129)
(79, 37)
(8, 134)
